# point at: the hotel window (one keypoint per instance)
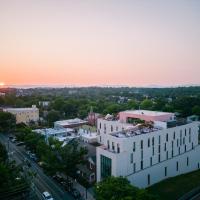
(172, 144)
(167, 137)
(131, 157)
(118, 148)
(159, 139)
(185, 131)
(165, 147)
(141, 165)
(167, 156)
(190, 137)
(111, 128)
(199, 136)
(133, 146)
(176, 166)
(179, 150)
(149, 181)
(185, 148)
(187, 161)
(159, 158)
(183, 140)
(150, 161)
(134, 167)
(108, 144)
(153, 141)
(177, 142)
(113, 146)
(174, 136)
(142, 154)
(165, 171)
(141, 144)
(192, 145)
(148, 142)
(172, 153)
(189, 130)
(159, 149)
(153, 151)
(104, 128)
(100, 138)
(100, 125)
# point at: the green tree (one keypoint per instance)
(3, 153)
(115, 188)
(196, 110)
(72, 155)
(146, 104)
(53, 116)
(7, 121)
(132, 104)
(119, 188)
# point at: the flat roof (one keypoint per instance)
(52, 131)
(89, 135)
(70, 121)
(20, 109)
(147, 112)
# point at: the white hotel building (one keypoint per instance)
(147, 154)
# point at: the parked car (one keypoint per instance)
(11, 137)
(20, 144)
(13, 140)
(27, 162)
(33, 157)
(46, 196)
(28, 153)
(75, 193)
(58, 178)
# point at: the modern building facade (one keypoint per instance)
(24, 115)
(148, 152)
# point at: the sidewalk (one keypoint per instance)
(81, 189)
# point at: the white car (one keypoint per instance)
(47, 196)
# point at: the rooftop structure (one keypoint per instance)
(53, 131)
(61, 134)
(70, 123)
(146, 115)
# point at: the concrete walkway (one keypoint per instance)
(81, 189)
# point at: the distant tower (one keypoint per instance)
(91, 117)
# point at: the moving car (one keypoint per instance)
(20, 144)
(46, 196)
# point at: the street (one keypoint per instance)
(41, 182)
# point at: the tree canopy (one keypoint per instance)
(119, 188)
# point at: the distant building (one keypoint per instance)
(24, 115)
(2, 94)
(92, 117)
(147, 152)
(146, 115)
(44, 103)
(88, 171)
(70, 123)
(88, 137)
(61, 134)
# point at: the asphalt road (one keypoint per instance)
(41, 182)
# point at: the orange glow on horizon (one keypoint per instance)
(2, 84)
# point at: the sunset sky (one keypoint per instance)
(100, 42)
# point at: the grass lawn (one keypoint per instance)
(174, 188)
